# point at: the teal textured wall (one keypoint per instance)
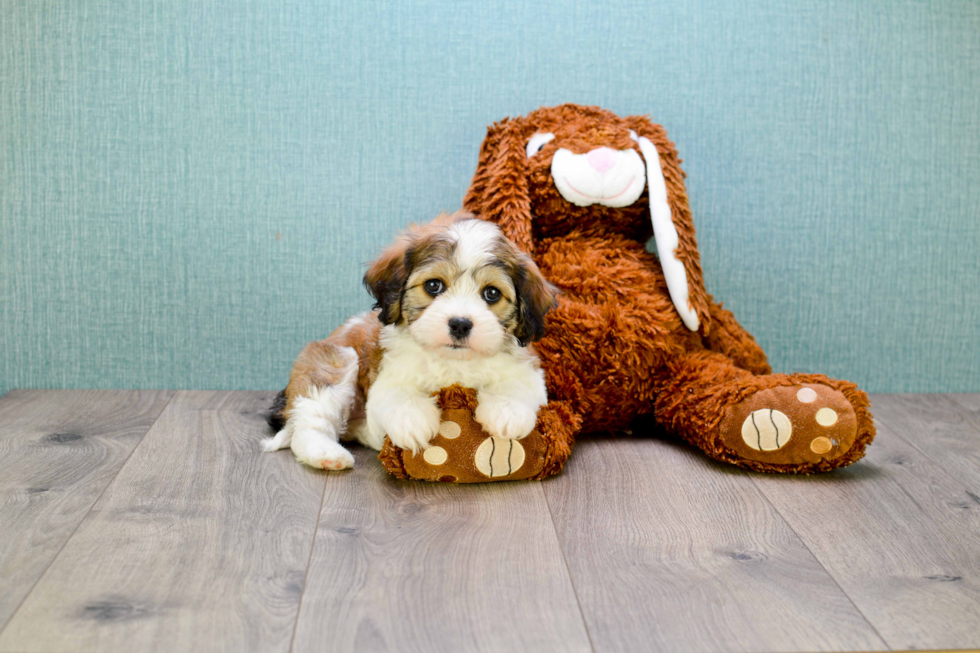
(189, 190)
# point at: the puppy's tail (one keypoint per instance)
(275, 416)
(280, 440)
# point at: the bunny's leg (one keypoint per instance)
(726, 336)
(559, 425)
(799, 423)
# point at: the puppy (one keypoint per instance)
(457, 303)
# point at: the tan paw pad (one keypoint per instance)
(826, 417)
(806, 395)
(450, 430)
(499, 457)
(766, 429)
(821, 445)
(435, 455)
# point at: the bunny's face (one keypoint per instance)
(577, 171)
(585, 174)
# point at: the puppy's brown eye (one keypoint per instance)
(433, 286)
(491, 295)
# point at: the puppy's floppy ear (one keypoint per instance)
(673, 227)
(386, 278)
(535, 297)
(499, 190)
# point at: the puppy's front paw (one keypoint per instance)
(503, 417)
(413, 423)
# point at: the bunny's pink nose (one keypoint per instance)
(601, 159)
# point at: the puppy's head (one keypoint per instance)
(460, 288)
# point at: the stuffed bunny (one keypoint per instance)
(581, 190)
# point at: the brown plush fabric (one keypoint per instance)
(615, 347)
(729, 338)
(464, 453)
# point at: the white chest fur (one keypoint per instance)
(510, 390)
(407, 363)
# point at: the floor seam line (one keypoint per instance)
(924, 454)
(88, 512)
(824, 567)
(309, 563)
(568, 572)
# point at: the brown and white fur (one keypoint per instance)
(457, 303)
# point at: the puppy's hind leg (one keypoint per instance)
(317, 423)
(321, 393)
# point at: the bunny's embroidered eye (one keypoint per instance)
(537, 143)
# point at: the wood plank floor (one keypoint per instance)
(144, 520)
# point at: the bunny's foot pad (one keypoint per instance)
(800, 428)
(463, 453)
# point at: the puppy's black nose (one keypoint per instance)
(460, 327)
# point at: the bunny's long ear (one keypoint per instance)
(498, 191)
(673, 228)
